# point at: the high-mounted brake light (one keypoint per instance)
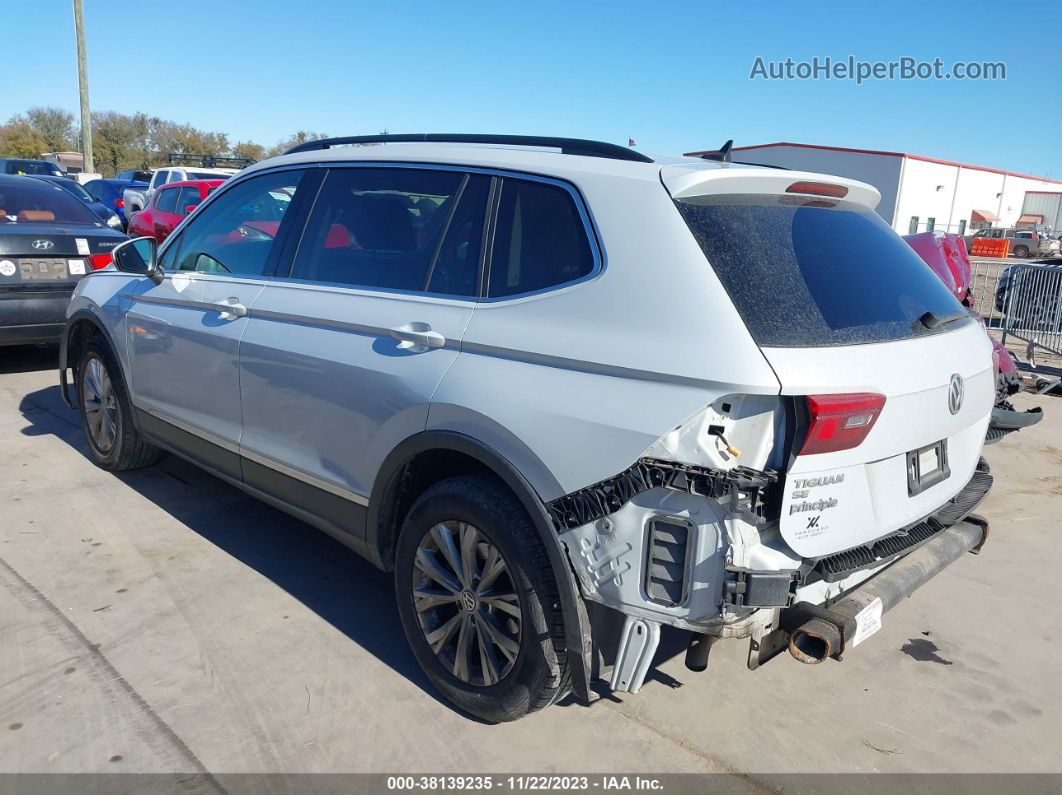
(99, 261)
(818, 189)
(840, 422)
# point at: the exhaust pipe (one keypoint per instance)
(814, 641)
(817, 632)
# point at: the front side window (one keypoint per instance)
(540, 240)
(396, 229)
(166, 200)
(236, 233)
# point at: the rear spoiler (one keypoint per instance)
(701, 179)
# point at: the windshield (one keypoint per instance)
(811, 273)
(39, 202)
(32, 167)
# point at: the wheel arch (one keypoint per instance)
(445, 454)
(80, 327)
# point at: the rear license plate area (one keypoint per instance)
(42, 270)
(927, 466)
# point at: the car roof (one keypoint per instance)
(690, 173)
(535, 160)
(20, 179)
(193, 183)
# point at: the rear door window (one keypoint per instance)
(540, 240)
(816, 273)
(406, 229)
(189, 197)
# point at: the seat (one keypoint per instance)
(382, 223)
(35, 216)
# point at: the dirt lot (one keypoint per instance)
(161, 621)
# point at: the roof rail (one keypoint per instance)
(568, 146)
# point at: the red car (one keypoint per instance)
(168, 207)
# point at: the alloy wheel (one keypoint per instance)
(467, 603)
(97, 396)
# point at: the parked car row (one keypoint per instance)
(565, 392)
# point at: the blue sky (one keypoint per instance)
(673, 75)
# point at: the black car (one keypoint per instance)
(22, 165)
(48, 241)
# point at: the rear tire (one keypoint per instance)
(1021, 251)
(107, 414)
(497, 647)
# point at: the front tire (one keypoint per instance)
(478, 600)
(107, 414)
(1021, 251)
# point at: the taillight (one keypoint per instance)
(99, 261)
(119, 203)
(818, 189)
(840, 422)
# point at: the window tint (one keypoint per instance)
(382, 227)
(540, 240)
(189, 197)
(35, 201)
(38, 167)
(811, 275)
(96, 189)
(166, 200)
(236, 233)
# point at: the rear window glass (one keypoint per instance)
(205, 175)
(32, 167)
(42, 203)
(828, 273)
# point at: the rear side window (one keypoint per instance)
(816, 273)
(540, 240)
(166, 200)
(397, 229)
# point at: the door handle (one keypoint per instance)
(417, 337)
(230, 309)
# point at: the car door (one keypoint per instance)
(341, 358)
(183, 334)
(164, 212)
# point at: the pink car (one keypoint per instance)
(945, 253)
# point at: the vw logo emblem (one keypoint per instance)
(468, 601)
(956, 389)
(42, 245)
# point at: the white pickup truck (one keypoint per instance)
(136, 199)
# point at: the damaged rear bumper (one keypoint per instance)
(814, 632)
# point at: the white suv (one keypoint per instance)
(567, 393)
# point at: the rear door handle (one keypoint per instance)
(417, 337)
(231, 308)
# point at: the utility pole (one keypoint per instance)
(82, 79)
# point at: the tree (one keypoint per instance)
(56, 128)
(249, 149)
(18, 138)
(301, 137)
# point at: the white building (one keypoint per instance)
(922, 193)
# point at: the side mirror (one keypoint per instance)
(139, 256)
(188, 208)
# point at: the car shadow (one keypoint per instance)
(322, 574)
(29, 358)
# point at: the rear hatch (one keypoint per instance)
(891, 380)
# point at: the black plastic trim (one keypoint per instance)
(751, 492)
